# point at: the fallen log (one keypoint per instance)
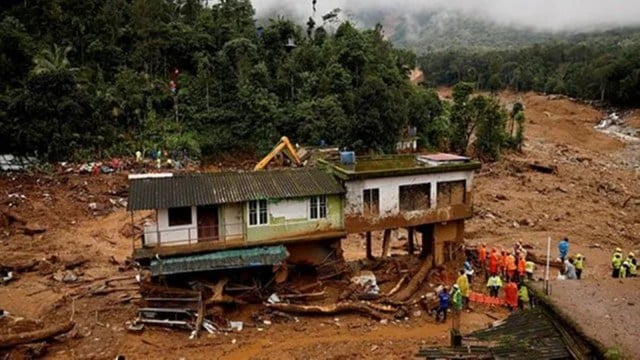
(552, 169)
(416, 280)
(104, 291)
(75, 262)
(398, 285)
(320, 294)
(8, 341)
(340, 307)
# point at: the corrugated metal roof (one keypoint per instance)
(229, 187)
(226, 259)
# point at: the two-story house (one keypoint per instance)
(430, 194)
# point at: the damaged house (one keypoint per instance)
(426, 194)
(213, 221)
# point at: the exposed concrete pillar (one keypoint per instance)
(386, 242)
(410, 249)
(369, 252)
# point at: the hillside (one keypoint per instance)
(592, 199)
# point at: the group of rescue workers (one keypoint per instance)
(573, 266)
(624, 268)
(511, 267)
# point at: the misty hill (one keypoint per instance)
(427, 32)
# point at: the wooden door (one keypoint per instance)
(208, 229)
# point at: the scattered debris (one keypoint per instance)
(366, 280)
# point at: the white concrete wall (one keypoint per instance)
(390, 189)
(171, 235)
(290, 209)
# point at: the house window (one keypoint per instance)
(451, 193)
(258, 212)
(180, 216)
(371, 201)
(415, 197)
(318, 207)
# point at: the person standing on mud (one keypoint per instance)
(569, 269)
(578, 262)
(463, 285)
(563, 248)
(456, 299)
(633, 265)
(523, 296)
(482, 257)
(616, 263)
(493, 261)
(529, 268)
(511, 295)
(443, 307)
(494, 284)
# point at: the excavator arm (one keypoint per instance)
(291, 152)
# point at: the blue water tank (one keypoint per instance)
(347, 157)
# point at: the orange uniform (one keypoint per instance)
(521, 265)
(493, 262)
(511, 294)
(482, 253)
(511, 266)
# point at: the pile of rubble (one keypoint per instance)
(202, 307)
(615, 125)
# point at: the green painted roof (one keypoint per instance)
(398, 165)
(225, 259)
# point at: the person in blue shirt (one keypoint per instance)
(443, 296)
(563, 248)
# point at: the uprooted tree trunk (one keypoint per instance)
(11, 340)
(415, 282)
(329, 309)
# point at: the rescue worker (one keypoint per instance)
(624, 269)
(493, 261)
(463, 285)
(456, 300)
(494, 284)
(633, 265)
(444, 305)
(503, 263)
(563, 248)
(482, 256)
(529, 268)
(523, 296)
(468, 270)
(616, 263)
(521, 267)
(511, 267)
(569, 269)
(578, 262)
(511, 295)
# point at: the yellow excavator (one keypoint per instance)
(283, 144)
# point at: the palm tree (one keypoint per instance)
(52, 60)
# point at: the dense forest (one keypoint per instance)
(603, 67)
(97, 78)
(84, 78)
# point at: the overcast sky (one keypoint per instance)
(551, 15)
